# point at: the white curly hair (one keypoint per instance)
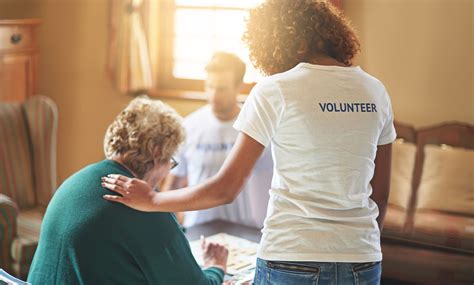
(143, 129)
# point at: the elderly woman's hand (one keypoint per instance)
(135, 193)
(214, 254)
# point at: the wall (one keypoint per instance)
(73, 43)
(421, 49)
(18, 9)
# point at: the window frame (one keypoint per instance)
(179, 88)
(166, 84)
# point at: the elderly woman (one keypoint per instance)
(87, 240)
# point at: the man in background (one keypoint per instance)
(209, 139)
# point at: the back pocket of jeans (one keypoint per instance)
(368, 273)
(290, 273)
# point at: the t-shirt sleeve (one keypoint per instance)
(388, 134)
(261, 113)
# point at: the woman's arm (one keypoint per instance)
(381, 180)
(220, 189)
(173, 182)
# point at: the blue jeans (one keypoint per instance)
(316, 273)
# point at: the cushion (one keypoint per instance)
(394, 221)
(29, 226)
(447, 181)
(444, 229)
(403, 163)
(16, 177)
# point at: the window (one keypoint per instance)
(191, 31)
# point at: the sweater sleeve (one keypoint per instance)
(214, 275)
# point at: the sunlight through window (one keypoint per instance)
(204, 27)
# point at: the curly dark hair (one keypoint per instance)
(276, 29)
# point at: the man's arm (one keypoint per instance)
(381, 180)
(173, 182)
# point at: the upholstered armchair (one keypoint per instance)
(27, 177)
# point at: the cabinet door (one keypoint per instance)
(16, 77)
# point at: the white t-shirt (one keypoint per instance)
(324, 124)
(208, 142)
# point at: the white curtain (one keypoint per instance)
(129, 64)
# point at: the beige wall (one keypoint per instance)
(421, 50)
(73, 39)
(18, 9)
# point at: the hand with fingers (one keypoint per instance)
(214, 254)
(133, 192)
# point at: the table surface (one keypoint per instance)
(220, 226)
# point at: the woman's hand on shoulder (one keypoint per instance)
(133, 192)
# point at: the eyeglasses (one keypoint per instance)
(174, 163)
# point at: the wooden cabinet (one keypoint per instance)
(18, 59)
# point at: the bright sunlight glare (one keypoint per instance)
(206, 26)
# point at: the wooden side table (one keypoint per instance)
(18, 59)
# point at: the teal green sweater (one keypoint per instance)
(87, 240)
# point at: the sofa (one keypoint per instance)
(428, 235)
(27, 177)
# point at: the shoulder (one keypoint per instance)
(372, 80)
(203, 113)
(274, 84)
(269, 86)
(268, 92)
(85, 175)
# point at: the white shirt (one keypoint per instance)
(324, 124)
(208, 142)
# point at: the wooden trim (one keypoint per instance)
(177, 94)
(19, 51)
(405, 132)
(17, 22)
